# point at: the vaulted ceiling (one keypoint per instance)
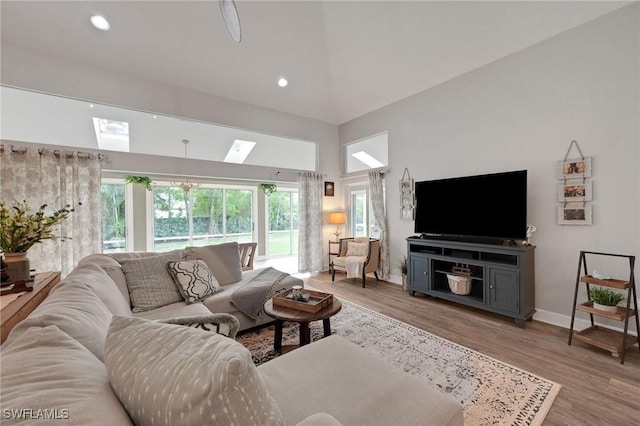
(342, 59)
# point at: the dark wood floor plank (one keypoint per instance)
(596, 389)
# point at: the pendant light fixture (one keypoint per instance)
(186, 186)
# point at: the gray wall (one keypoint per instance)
(521, 112)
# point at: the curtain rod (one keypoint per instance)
(56, 152)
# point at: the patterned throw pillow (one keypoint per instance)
(194, 279)
(357, 249)
(185, 376)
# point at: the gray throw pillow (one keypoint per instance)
(222, 259)
(194, 279)
(149, 282)
(185, 376)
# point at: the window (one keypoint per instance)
(362, 221)
(219, 215)
(115, 202)
(282, 219)
(366, 154)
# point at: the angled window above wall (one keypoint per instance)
(365, 154)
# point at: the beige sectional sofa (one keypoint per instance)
(218, 303)
(83, 357)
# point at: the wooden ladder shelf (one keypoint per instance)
(610, 340)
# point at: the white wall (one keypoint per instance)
(521, 112)
(39, 71)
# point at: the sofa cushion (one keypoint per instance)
(94, 277)
(46, 369)
(358, 386)
(112, 268)
(193, 279)
(76, 310)
(179, 375)
(174, 310)
(222, 259)
(149, 282)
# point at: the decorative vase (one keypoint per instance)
(405, 282)
(605, 308)
(18, 267)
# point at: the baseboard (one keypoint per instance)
(564, 321)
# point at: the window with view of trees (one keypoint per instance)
(219, 215)
(283, 223)
(114, 238)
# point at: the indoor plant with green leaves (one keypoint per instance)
(21, 229)
(605, 299)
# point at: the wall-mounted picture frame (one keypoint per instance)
(574, 168)
(407, 200)
(575, 190)
(329, 189)
(575, 214)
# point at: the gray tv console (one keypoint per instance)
(503, 278)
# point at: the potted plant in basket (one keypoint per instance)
(605, 299)
(20, 230)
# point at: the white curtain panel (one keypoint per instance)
(56, 178)
(376, 188)
(310, 257)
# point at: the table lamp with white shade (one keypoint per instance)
(337, 218)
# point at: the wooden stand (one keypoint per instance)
(19, 306)
(604, 338)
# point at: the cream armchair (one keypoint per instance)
(357, 257)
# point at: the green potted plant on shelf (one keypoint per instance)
(21, 229)
(605, 299)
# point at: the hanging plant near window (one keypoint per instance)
(140, 180)
(268, 188)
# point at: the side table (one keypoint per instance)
(333, 252)
(15, 307)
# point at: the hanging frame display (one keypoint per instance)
(407, 200)
(575, 191)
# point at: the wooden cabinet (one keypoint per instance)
(418, 273)
(502, 277)
(608, 339)
(16, 307)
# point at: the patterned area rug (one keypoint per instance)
(491, 392)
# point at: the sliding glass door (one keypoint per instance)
(218, 215)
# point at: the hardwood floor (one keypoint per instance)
(596, 389)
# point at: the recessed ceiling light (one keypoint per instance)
(282, 82)
(100, 22)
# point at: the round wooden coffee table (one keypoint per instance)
(282, 314)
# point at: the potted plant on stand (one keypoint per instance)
(605, 299)
(20, 230)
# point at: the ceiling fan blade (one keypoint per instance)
(230, 15)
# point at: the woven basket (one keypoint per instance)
(459, 285)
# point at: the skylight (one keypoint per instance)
(112, 135)
(367, 159)
(239, 151)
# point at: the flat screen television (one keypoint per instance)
(490, 207)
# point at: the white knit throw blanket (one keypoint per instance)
(353, 265)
